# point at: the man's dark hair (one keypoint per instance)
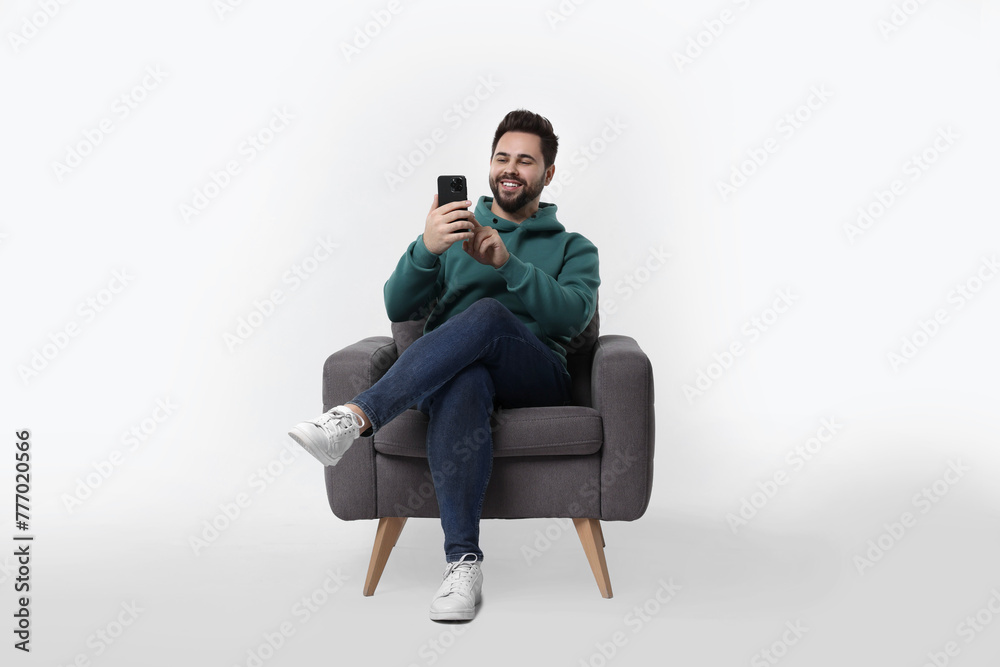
(522, 120)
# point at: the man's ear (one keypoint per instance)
(549, 173)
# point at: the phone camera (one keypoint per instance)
(456, 184)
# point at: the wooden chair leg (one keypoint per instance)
(389, 528)
(592, 539)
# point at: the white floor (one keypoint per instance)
(732, 597)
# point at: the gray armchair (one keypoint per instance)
(589, 461)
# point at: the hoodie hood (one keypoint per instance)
(544, 220)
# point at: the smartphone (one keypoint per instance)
(451, 188)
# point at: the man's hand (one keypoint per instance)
(447, 224)
(485, 246)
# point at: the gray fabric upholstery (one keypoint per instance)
(516, 432)
(590, 459)
(519, 488)
(404, 333)
(351, 484)
(622, 381)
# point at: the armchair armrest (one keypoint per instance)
(622, 392)
(356, 368)
(346, 373)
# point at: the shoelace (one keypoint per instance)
(335, 418)
(457, 575)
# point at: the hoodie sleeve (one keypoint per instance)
(561, 306)
(416, 281)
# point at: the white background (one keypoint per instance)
(683, 128)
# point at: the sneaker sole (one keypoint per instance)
(307, 444)
(453, 615)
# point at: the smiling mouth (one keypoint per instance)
(509, 186)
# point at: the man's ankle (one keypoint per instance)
(365, 423)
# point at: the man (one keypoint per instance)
(510, 297)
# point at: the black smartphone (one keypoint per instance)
(451, 188)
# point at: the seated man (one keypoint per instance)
(509, 299)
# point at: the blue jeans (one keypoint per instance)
(454, 374)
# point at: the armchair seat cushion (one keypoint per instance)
(541, 431)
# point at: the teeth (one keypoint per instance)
(511, 184)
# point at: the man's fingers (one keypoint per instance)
(469, 244)
(452, 206)
(455, 216)
(457, 227)
(434, 204)
(485, 245)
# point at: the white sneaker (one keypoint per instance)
(330, 435)
(460, 592)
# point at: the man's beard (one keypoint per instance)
(512, 203)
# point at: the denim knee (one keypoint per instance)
(488, 309)
(488, 304)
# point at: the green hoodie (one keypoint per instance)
(550, 281)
